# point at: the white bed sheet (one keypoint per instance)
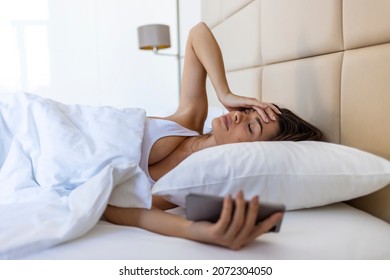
(336, 231)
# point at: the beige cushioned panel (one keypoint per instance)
(365, 102)
(246, 81)
(212, 12)
(218, 10)
(299, 28)
(230, 7)
(329, 61)
(308, 86)
(235, 36)
(366, 22)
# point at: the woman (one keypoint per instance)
(168, 141)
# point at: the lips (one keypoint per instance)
(226, 121)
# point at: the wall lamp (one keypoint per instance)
(155, 37)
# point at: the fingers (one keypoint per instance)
(267, 113)
(237, 225)
(250, 221)
(264, 105)
(238, 217)
(251, 230)
(262, 114)
(234, 102)
(274, 108)
(256, 103)
(267, 224)
(226, 214)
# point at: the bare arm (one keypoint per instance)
(233, 230)
(203, 57)
(193, 105)
(208, 52)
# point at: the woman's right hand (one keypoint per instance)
(236, 102)
(235, 229)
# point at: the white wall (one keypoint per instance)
(86, 51)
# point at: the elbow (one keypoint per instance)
(200, 27)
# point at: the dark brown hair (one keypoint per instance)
(294, 128)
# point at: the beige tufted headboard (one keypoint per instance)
(327, 60)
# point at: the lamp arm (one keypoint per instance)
(155, 51)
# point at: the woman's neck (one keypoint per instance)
(201, 142)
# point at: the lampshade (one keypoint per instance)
(153, 36)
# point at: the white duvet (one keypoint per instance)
(60, 166)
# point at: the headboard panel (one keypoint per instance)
(329, 61)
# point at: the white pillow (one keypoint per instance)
(298, 174)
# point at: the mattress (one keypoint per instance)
(336, 231)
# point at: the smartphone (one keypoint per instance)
(201, 207)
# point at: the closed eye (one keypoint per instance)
(260, 124)
(247, 113)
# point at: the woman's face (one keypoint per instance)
(243, 126)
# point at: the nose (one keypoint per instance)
(238, 116)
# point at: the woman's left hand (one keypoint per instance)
(236, 226)
(233, 102)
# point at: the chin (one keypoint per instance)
(214, 123)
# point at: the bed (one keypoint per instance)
(324, 233)
(329, 62)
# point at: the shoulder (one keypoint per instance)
(189, 119)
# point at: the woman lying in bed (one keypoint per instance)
(168, 141)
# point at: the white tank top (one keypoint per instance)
(154, 130)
